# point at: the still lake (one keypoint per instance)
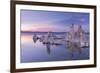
(38, 52)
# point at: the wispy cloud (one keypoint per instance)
(32, 20)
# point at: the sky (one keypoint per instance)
(55, 21)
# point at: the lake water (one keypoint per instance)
(39, 52)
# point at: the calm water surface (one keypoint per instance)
(38, 52)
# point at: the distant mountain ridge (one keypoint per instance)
(44, 32)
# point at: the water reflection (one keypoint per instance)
(48, 41)
(72, 47)
(48, 45)
(58, 50)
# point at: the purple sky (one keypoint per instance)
(33, 20)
